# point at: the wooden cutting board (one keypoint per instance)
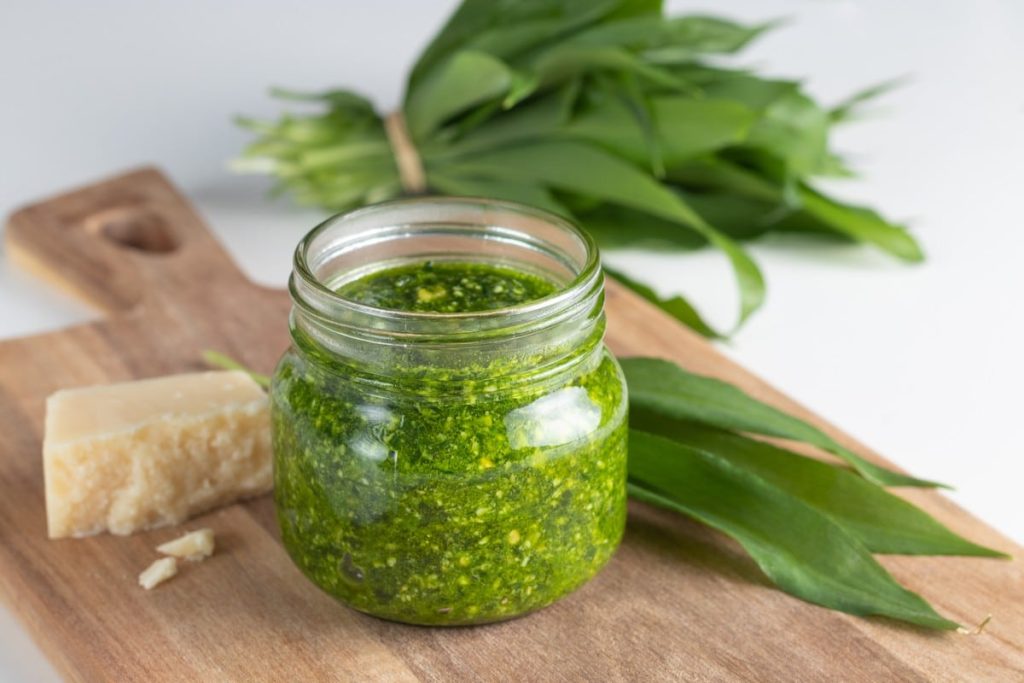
(678, 601)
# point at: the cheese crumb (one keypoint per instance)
(158, 572)
(139, 455)
(193, 546)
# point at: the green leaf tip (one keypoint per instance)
(225, 362)
(803, 551)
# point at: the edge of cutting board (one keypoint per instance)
(678, 600)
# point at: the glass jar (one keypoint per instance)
(449, 468)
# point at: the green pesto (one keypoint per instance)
(451, 501)
(447, 287)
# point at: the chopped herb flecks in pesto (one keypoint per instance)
(449, 502)
(447, 287)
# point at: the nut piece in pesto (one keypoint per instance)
(449, 429)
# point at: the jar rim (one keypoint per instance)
(306, 284)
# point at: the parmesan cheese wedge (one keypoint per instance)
(158, 572)
(144, 454)
(194, 546)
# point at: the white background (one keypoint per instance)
(921, 362)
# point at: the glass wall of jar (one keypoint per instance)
(449, 467)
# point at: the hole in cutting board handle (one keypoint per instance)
(133, 228)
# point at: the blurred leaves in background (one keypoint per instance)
(605, 111)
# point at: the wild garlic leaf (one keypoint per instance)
(225, 362)
(862, 224)
(835, 166)
(749, 90)
(577, 167)
(858, 223)
(566, 61)
(805, 552)
(686, 128)
(474, 19)
(795, 129)
(352, 153)
(739, 217)
(465, 80)
(665, 388)
(641, 108)
(850, 107)
(541, 119)
(512, 42)
(712, 35)
(748, 274)
(635, 8)
(615, 226)
(715, 173)
(632, 33)
(883, 522)
(523, 85)
(656, 35)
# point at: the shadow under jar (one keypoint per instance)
(449, 428)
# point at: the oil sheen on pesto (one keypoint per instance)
(438, 500)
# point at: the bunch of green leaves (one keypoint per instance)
(606, 111)
(812, 526)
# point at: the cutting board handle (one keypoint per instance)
(117, 243)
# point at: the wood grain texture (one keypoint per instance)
(678, 601)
